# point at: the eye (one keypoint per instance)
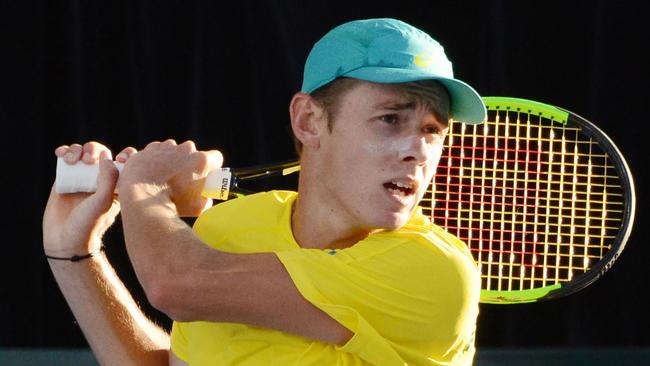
(391, 119)
(434, 130)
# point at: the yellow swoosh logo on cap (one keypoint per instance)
(422, 60)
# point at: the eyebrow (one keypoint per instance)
(394, 106)
(400, 106)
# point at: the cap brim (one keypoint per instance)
(466, 104)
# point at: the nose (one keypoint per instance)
(416, 150)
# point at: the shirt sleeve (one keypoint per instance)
(407, 302)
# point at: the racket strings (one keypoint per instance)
(536, 201)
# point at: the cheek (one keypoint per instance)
(435, 153)
(372, 147)
(432, 164)
(392, 147)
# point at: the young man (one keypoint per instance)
(345, 272)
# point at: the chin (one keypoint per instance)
(394, 221)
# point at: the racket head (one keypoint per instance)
(543, 198)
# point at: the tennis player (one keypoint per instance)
(346, 271)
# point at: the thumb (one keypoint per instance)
(214, 159)
(96, 212)
(106, 182)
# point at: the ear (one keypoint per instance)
(308, 119)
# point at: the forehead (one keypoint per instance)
(396, 97)
(374, 95)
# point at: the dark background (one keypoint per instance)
(222, 73)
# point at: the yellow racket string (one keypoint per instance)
(537, 202)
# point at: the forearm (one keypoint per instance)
(191, 281)
(167, 256)
(115, 328)
(156, 238)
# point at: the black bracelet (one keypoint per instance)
(77, 258)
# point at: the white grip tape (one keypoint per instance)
(79, 177)
(82, 177)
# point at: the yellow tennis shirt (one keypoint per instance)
(410, 296)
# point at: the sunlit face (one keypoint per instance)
(380, 156)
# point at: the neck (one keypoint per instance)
(317, 225)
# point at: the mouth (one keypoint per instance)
(401, 189)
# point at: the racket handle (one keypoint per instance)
(81, 177)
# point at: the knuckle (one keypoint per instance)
(61, 150)
(74, 151)
(93, 146)
(105, 154)
(152, 144)
(201, 158)
(218, 155)
(189, 144)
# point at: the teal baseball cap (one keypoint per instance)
(388, 51)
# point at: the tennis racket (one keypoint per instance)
(541, 196)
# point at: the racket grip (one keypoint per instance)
(81, 177)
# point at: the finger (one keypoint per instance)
(152, 145)
(106, 181)
(206, 161)
(214, 159)
(125, 154)
(202, 205)
(208, 203)
(169, 142)
(93, 151)
(60, 151)
(105, 155)
(73, 154)
(92, 213)
(188, 146)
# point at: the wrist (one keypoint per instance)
(144, 196)
(64, 245)
(74, 257)
(130, 193)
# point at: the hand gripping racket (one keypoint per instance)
(542, 197)
(221, 184)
